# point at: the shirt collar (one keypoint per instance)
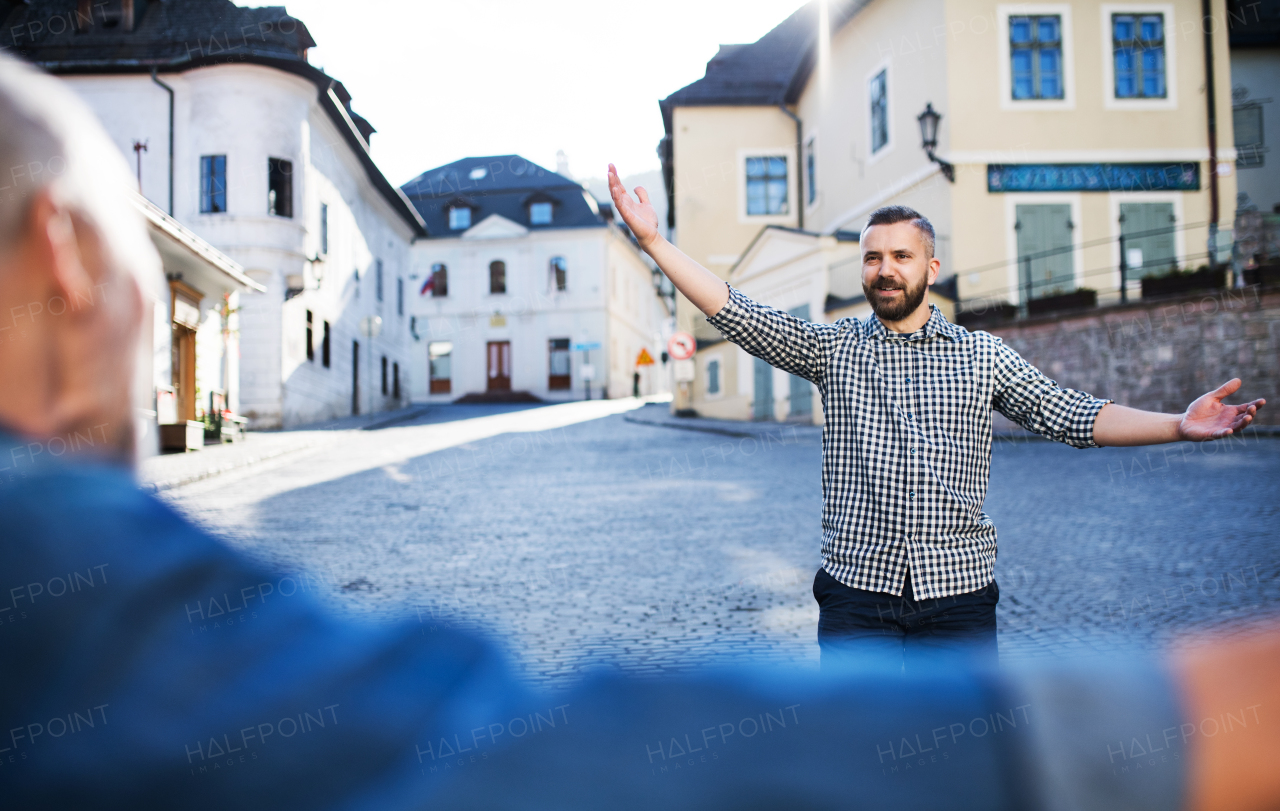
(937, 325)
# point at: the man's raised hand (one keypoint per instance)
(1209, 418)
(639, 217)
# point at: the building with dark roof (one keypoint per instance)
(526, 288)
(507, 185)
(237, 136)
(1037, 140)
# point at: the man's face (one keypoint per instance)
(896, 270)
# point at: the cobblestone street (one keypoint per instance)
(582, 534)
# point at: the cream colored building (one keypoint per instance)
(1065, 125)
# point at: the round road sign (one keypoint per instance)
(681, 346)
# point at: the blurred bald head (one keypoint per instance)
(73, 249)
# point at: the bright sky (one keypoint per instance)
(447, 79)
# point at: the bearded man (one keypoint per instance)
(908, 554)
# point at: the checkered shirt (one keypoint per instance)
(906, 445)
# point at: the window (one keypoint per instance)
(1250, 144)
(384, 375)
(767, 185)
(355, 281)
(324, 347)
(879, 95)
(559, 274)
(713, 377)
(395, 380)
(1138, 51)
(311, 349)
(213, 184)
(324, 228)
(497, 276)
(377, 279)
(439, 280)
(811, 172)
(439, 354)
(558, 379)
(1035, 57)
(540, 213)
(279, 187)
(459, 218)
(399, 296)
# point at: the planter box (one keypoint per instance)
(993, 314)
(1079, 300)
(182, 436)
(1180, 283)
(1265, 275)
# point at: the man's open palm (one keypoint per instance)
(639, 217)
(1210, 418)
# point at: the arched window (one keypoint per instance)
(559, 274)
(497, 276)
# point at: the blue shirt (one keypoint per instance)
(145, 663)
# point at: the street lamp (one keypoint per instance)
(929, 139)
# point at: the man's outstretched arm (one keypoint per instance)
(707, 291)
(782, 340)
(1205, 419)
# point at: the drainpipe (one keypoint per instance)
(1207, 24)
(799, 162)
(169, 90)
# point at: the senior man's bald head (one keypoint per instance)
(74, 254)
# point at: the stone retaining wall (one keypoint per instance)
(1160, 355)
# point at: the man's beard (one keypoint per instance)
(898, 308)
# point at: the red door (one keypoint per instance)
(499, 366)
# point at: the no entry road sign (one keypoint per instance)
(681, 346)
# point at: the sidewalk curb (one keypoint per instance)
(694, 424)
(413, 414)
(239, 463)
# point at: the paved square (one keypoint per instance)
(609, 540)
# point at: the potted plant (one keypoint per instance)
(1184, 281)
(1082, 298)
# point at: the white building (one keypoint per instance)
(260, 154)
(527, 289)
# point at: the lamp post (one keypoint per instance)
(929, 139)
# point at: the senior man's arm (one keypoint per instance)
(146, 663)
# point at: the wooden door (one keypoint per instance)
(184, 371)
(499, 362)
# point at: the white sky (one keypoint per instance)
(447, 79)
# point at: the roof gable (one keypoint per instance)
(495, 226)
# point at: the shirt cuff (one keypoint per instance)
(1085, 419)
(1104, 739)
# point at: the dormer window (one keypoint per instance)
(459, 218)
(478, 173)
(540, 213)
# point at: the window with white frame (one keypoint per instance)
(1036, 57)
(878, 92)
(713, 376)
(811, 171)
(766, 185)
(540, 213)
(459, 218)
(1138, 56)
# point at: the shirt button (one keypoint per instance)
(908, 380)
(912, 494)
(913, 451)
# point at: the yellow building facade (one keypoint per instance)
(1063, 126)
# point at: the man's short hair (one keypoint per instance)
(888, 215)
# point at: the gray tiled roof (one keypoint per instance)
(177, 35)
(507, 185)
(770, 71)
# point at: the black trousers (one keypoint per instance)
(875, 628)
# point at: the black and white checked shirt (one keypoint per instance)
(906, 445)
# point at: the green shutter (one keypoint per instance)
(1045, 228)
(801, 389)
(762, 408)
(1156, 223)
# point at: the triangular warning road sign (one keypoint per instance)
(644, 358)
